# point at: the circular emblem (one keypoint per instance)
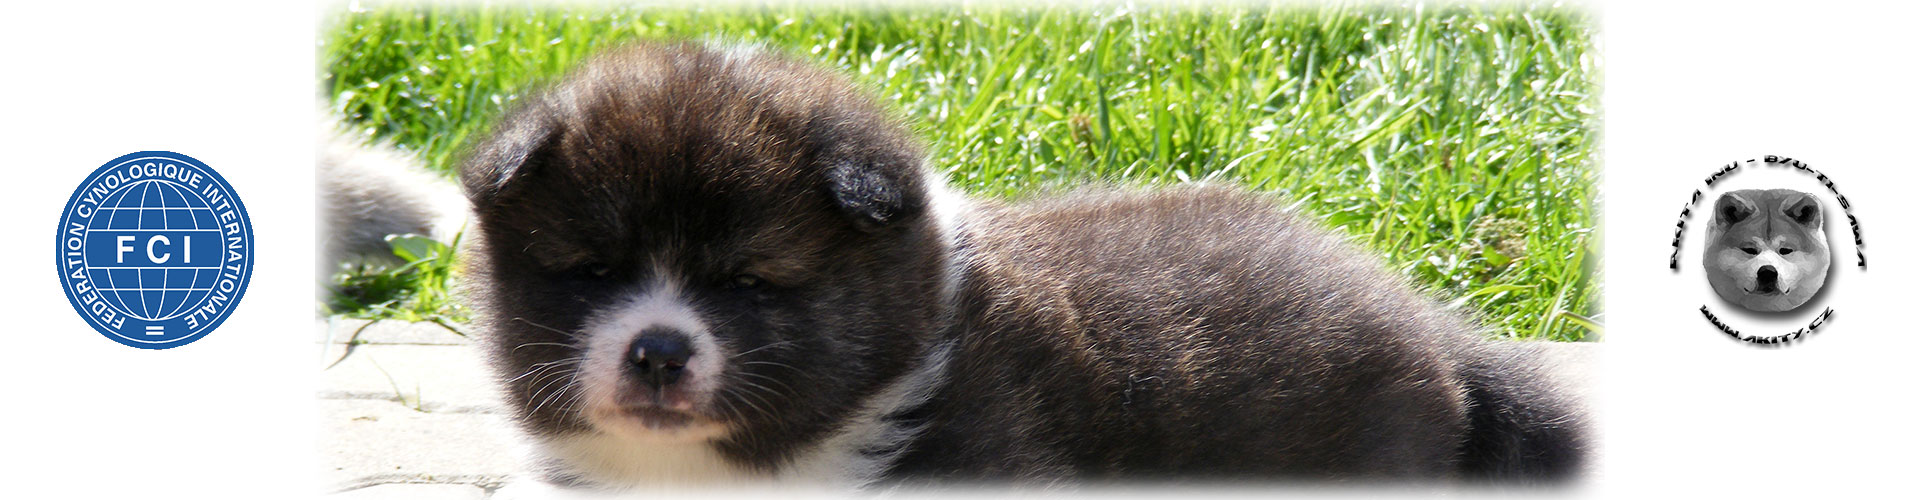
(1766, 251)
(154, 249)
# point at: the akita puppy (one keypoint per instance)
(697, 264)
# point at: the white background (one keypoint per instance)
(232, 414)
(1695, 87)
(1688, 411)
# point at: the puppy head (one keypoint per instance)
(1766, 249)
(680, 244)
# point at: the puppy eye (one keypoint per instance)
(744, 282)
(1750, 250)
(593, 270)
(1785, 251)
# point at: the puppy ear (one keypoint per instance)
(1731, 209)
(866, 191)
(1803, 209)
(517, 149)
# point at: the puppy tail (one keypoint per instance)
(1522, 426)
(368, 191)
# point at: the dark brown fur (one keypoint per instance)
(719, 167)
(1189, 332)
(1192, 332)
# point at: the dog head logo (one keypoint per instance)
(1767, 249)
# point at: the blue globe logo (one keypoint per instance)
(157, 292)
(155, 250)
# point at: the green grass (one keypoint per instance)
(1458, 142)
(416, 291)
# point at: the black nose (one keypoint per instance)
(1767, 277)
(659, 356)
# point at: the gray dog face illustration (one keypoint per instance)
(1766, 249)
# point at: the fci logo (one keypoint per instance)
(154, 249)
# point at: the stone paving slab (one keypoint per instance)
(415, 492)
(345, 330)
(438, 378)
(365, 443)
(407, 411)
